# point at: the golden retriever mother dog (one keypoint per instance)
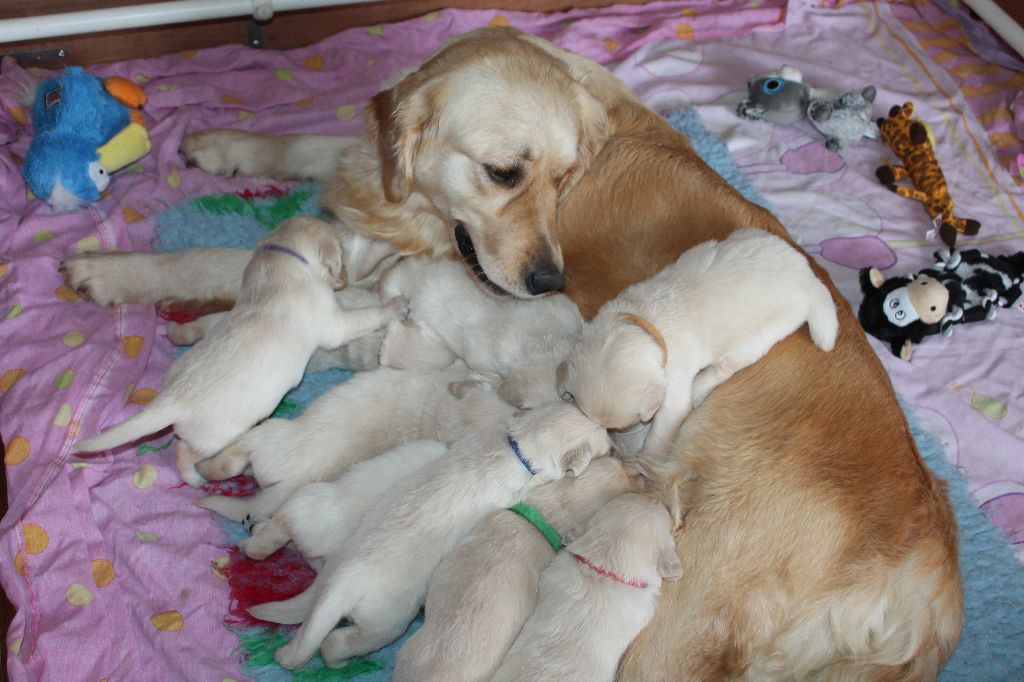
(816, 542)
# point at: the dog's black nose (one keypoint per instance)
(544, 277)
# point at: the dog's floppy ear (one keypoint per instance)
(595, 128)
(397, 119)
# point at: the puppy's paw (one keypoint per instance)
(218, 152)
(193, 478)
(399, 306)
(255, 549)
(182, 334)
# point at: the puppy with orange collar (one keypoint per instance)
(661, 346)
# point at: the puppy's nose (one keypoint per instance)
(544, 277)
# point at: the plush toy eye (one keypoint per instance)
(894, 303)
(568, 397)
(934, 307)
(900, 314)
(98, 175)
(772, 85)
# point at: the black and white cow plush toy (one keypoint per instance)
(962, 287)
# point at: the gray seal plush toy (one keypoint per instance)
(779, 97)
(845, 119)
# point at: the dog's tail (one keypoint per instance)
(156, 416)
(288, 612)
(822, 320)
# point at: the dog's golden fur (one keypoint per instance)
(816, 543)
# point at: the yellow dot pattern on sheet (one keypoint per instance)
(3, 269)
(36, 539)
(314, 62)
(346, 111)
(144, 477)
(132, 345)
(20, 114)
(14, 311)
(304, 102)
(684, 31)
(245, 115)
(431, 16)
(15, 646)
(19, 563)
(285, 74)
(102, 572)
(42, 236)
(64, 379)
(9, 378)
(610, 44)
(188, 54)
(230, 99)
(63, 416)
(377, 30)
(143, 536)
(88, 244)
(73, 339)
(218, 564)
(67, 294)
(167, 621)
(142, 396)
(498, 21)
(174, 179)
(131, 215)
(988, 406)
(78, 594)
(18, 450)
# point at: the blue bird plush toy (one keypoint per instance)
(85, 129)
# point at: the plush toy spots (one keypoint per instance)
(908, 137)
(962, 287)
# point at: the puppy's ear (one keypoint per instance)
(397, 120)
(333, 258)
(576, 460)
(653, 397)
(669, 566)
(561, 374)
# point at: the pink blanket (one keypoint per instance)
(114, 572)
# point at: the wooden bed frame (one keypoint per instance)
(286, 30)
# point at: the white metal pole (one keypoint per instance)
(138, 16)
(1000, 22)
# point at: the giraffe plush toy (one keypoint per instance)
(908, 137)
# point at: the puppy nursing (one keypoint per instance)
(482, 593)
(378, 582)
(254, 354)
(499, 338)
(596, 596)
(660, 347)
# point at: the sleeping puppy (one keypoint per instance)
(254, 354)
(497, 337)
(369, 414)
(482, 593)
(597, 595)
(660, 347)
(378, 582)
(319, 518)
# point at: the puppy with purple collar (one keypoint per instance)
(379, 580)
(237, 374)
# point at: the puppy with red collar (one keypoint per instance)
(597, 595)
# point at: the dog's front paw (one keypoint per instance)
(218, 152)
(96, 277)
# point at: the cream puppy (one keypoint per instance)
(497, 337)
(369, 414)
(482, 593)
(255, 353)
(596, 596)
(660, 347)
(319, 517)
(378, 582)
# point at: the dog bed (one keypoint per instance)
(113, 571)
